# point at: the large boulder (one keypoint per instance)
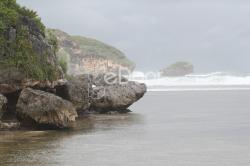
(106, 79)
(3, 102)
(45, 110)
(77, 90)
(117, 97)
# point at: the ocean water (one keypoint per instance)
(166, 128)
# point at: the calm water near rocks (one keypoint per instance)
(196, 128)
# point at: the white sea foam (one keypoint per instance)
(210, 81)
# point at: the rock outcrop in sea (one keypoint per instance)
(117, 97)
(34, 91)
(59, 107)
(178, 69)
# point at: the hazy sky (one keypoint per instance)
(212, 34)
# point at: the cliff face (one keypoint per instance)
(85, 55)
(25, 54)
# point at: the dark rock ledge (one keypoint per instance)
(59, 106)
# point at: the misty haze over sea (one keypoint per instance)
(193, 82)
(70, 94)
(211, 34)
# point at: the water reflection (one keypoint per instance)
(43, 147)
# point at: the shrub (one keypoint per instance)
(19, 54)
(64, 64)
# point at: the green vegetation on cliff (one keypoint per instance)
(95, 47)
(89, 47)
(10, 13)
(22, 42)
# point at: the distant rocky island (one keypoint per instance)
(177, 69)
(86, 55)
(34, 91)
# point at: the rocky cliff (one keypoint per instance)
(85, 55)
(26, 57)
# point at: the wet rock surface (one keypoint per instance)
(3, 102)
(117, 97)
(108, 79)
(9, 126)
(77, 90)
(42, 109)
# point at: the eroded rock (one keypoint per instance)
(42, 109)
(117, 97)
(77, 90)
(108, 79)
(12, 80)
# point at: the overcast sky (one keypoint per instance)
(214, 35)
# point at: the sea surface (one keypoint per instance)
(166, 128)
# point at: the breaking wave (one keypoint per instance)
(210, 81)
